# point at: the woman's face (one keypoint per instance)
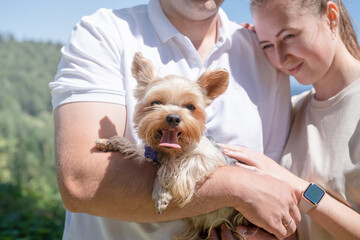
(297, 44)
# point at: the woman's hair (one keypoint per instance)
(346, 29)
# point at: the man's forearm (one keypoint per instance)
(108, 186)
(121, 189)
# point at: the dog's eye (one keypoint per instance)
(190, 107)
(157, 102)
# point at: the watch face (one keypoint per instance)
(314, 193)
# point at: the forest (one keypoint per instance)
(30, 204)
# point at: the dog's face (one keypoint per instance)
(170, 114)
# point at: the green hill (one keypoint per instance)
(30, 205)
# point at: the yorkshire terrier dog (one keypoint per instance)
(170, 118)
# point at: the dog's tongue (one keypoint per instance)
(169, 139)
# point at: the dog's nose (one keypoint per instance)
(173, 119)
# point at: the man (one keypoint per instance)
(110, 198)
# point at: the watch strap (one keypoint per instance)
(305, 206)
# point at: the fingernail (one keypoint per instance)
(226, 151)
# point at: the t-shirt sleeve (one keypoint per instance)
(89, 69)
(276, 127)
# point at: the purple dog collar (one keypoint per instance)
(150, 153)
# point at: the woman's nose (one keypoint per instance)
(282, 57)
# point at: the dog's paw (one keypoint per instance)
(103, 144)
(162, 201)
(149, 160)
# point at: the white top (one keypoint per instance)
(324, 147)
(96, 66)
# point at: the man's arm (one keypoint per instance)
(102, 183)
(96, 182)
(105, 185)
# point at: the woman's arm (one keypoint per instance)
(332, 215)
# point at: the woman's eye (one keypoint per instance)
(190, 107)
(288, 36)
(267, 46)
(157, 102)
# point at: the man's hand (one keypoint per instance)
(270, 197)
(265, 201)
(270, 204)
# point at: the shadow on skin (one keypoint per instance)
(121, 169)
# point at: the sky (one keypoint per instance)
(53, 20)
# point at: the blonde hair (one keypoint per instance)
(346, 29)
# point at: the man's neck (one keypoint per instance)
(204, 38)
(202, 33)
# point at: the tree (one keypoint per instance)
(27, 168)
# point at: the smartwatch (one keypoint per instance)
(311, 197)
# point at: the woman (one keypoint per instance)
(314, 41)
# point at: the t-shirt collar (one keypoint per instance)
(161, 24)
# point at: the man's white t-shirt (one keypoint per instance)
(96, 66)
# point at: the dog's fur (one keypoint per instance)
(173, 108)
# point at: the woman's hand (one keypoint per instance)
(261, 163)
(248, 26)
(254, 159)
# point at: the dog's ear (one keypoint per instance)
(142, 69)
(214, 83)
